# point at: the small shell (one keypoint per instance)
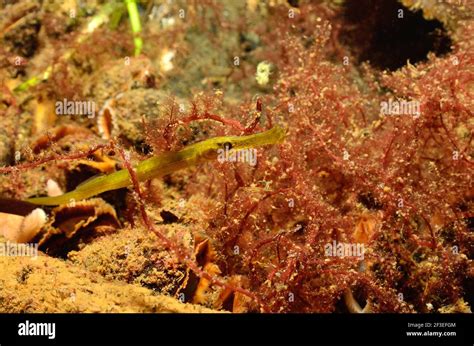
(44, 116)
(21, 229)
(104, 120)
(53, 189)
(352, 304)
(75, 224)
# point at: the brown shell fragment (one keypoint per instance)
(233, 301)
(193, 288)
(199, 290)
(73, 225)
(205, 256)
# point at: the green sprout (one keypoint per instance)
(34, 80)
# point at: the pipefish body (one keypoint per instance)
(164, 164)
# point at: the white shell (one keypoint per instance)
(21, 229)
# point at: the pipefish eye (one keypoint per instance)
(227, 145)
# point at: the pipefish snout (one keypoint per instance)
(166, 163)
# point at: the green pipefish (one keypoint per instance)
(166, 163)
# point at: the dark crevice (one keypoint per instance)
(374, 32)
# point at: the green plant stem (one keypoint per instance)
(134, 17)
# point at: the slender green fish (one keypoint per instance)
(164, 164)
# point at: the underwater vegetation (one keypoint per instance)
(242, 156)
